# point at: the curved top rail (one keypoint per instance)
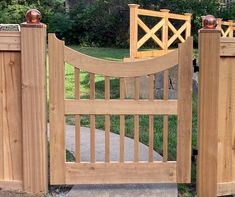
(120, 69)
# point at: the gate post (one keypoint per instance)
(33, 42)
(209, 57)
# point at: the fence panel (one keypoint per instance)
(11, 162)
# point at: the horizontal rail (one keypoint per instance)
(121, 107)
(11, 185)
(224, 189)
(114, 173)
(120, 69)
(10, 41)
(227, 47)
(152, 53)
(152, 13)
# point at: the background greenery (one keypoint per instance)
(104, 23)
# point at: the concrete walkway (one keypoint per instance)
(140, 190)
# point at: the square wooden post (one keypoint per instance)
(133, 30)
(209, 57)
(33, 43)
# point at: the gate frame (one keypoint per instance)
(63, 172)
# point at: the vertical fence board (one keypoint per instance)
(184, 132)
(92, 120)
(151, 119)
(57, 120)
(1, 117)
(107, 122)
(10, 118)
(122, 122)
(136, 122)
(77, 117)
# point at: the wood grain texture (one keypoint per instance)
(209, 46)
(114, 173)
(120, 107)
(34, 115)
(184, 127)
(227, 47)
(121, 69)
(133, 29)
(10, 41)
(57, 88)
(226, 188)
(11, 167)
(226, 126)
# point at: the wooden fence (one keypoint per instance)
(169, 33)
(107, 172)
(227, 27)
(216, 140)
(23, 140)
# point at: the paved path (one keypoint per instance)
(140, 190)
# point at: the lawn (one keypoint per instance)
(117, 55)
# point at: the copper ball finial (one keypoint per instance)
(33, 16)
(209, 22)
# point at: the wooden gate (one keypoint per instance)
(108, 172)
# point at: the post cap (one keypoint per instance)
(209, 22)
(165, 10)
(133, 5)
(33, 19)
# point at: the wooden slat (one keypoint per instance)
(11, 162)
(34, 115)
(11, 185)
(152, 13)
(113, 173)
(209, 42)
(92, 119)
(151, 53)
(120, 107)
(10, 41)
(122, 121)
(77, 117)
(226, 188)
(227, 48)
(107, 122)
(57, 87)
(121, 69)
(177, 33)
(226, 125)
(184, 127)
(151, 119)
(136, 122)
(165, 118)
(2, 79)
(150, 33)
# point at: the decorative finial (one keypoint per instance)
(209, 22)
(33, 18)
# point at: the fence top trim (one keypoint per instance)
(162, 13)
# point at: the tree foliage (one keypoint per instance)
(104, 22)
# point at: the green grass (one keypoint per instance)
(119, 54)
